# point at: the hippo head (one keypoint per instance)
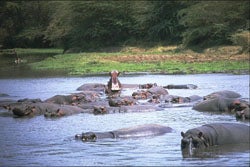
(56, 113)
(88, 136)
(243, 114)
(114, 80)
(23, 112)
(191, 142)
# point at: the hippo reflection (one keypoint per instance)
(132, 132)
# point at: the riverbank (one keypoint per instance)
(133, 60)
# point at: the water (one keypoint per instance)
(39, 141)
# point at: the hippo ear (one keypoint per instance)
(118, 73)
(200, 134)
(110, 74)
(182, 134)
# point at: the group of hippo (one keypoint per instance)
(99, 98)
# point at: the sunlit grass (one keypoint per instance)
(131, 59)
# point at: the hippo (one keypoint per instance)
(187, 86)
(97, 87)
(216, 104)
(158, 90)
(119, 101)
(243, 114)
(74, 99)
(64, 110)
(223, 93)
(32, 109)
(214, 134)
(114, 84)
(132, 132)
(241, 109)
(125, 109)
(62, 99)
(147, 85)
(179, 101)
(141, 94)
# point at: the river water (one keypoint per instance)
(40, 141)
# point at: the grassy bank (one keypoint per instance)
(160, 59)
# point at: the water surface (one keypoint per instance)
(45, 142)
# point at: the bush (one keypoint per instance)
(241, 38)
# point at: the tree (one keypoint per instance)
(211, 22)
(162, 21)
(10, 22)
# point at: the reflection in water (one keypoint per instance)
(10, 69)
(45, 142)
(217, 151)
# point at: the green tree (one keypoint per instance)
(91, 24)
(10, 22)
(36, 17)
(211, 22)
(162, 21)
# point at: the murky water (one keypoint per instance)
(46, 142)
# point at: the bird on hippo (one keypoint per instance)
(214, 134)
(132, 132)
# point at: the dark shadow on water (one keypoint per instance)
(10, 69)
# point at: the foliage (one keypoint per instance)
(89, 25)
(242, 38)
(211, 22)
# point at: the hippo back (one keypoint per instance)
(228, 133)
(141, 131)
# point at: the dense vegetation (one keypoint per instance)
(89, 25)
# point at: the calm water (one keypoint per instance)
(46, 142)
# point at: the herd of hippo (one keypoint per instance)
(96, 98)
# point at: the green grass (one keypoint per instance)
(141, 61)
(85, 63)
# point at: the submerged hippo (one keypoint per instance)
(132, 132)
(187, 86)
(32, 109)
(214, 134)
(64, 110)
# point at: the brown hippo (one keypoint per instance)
(125, 109)
(62, 99)
(32, 109)
(187, 86)
(141, 94)
(241, 109)
(243, 114)
(64, 110)
(214, 134)
(120, 101)
(132, 132)
(179, 99)
(114, 86)
(223, 93)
